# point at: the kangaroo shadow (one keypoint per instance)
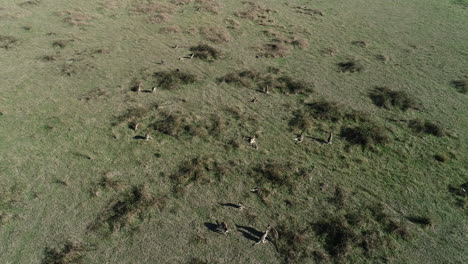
(319, 140)
(139, 137)
(230, 205)
(250, 232)
(212, 227)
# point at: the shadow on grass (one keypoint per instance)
(249, 232)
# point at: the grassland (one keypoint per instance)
(81, 184)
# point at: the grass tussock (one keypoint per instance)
(351, 66)
(127, 208)
(178, 125)
(153, 7)
(262, 81)
(354, 231)
(30, 3)
(69, 253)
(201, 170)
(8, 42)
(275, 50)
(216, 34)
(78, 19)
(426, 127)
(173, 79)
(211, 6)
(205, 52)
(254, 12)
(388, 98)
(294, 244)
(132, 114)
(460, 85)
(367, 135)
(279, 174)
(306, 117)
(460, 190)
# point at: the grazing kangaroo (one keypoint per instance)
(222, 227)
(264, 237)
(299, 138)
(148, 137)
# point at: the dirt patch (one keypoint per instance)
(216, 34)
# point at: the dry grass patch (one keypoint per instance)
(388, 98)
(133, 114)
(254, 12)
(184, 125)
(279, 174)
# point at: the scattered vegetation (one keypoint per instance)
(350, 66)
(426, 127)
(388, 98)
(460, 85)
(367, 135)
(205, 52)
(173, 79)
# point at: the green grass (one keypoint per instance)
(390, 188)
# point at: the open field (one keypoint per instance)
(96, 166)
